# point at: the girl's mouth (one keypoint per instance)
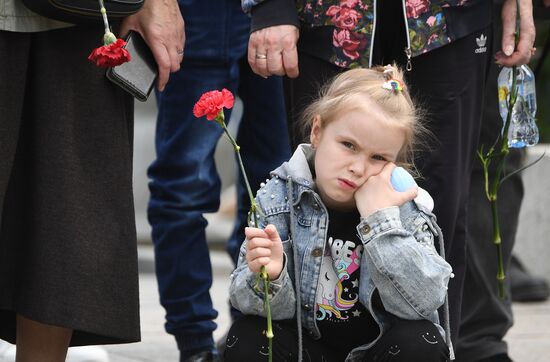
(347, 184)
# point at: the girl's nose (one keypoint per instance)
(357, 167)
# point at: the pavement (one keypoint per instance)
(529, 338)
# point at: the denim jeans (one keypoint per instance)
(184, 181)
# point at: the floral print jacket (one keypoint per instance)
(353, 22)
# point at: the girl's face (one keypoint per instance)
(354, 146)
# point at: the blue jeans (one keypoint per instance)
(184, 181)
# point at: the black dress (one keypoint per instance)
(67, 239)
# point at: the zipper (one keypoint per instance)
(372, 36)
(321, 205)
(408, 51)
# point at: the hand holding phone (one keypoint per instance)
(137, 76)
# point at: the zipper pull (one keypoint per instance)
(408, 53)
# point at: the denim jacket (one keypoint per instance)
(399, 260)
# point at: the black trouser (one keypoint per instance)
(485, 317)
(406, 341)
(448, 84)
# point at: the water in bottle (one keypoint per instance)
(523, 130)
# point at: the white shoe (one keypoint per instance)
(7, 351)
(87, 354)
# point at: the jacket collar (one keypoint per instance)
(297, 168)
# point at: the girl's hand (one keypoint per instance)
(264, 248)
(378, 193)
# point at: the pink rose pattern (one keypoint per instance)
(353, 21)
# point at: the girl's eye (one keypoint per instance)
(348, 145)
(379, 158)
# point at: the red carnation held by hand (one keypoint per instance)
(212, 103)
(110, 55)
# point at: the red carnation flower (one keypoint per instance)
(211, 104)
(110, 55)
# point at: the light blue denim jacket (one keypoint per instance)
(399, 258)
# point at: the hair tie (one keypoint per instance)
(388, 69)
(393, 85)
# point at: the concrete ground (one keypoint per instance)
(529, 338)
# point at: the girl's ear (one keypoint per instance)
(315, 135)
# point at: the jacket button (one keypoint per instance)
(306, 307)
(317, 252)
(365, 229)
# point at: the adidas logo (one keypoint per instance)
(481, 41)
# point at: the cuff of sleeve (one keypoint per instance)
(280, 278)
(272, 13)
(378, 222)
(274, 285)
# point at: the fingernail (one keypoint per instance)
(509, 50)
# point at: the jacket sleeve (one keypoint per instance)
(266, 13)
(246, 291)
(410, 275)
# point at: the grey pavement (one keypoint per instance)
(156, 345)
(529, 338)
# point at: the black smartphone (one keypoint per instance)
(137, 76)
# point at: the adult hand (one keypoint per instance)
(522, 54)
(264, 247)
(272, 51)
(161, 25)
(378, 193)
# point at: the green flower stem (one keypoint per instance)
(253, 213)
(491, 188)
(104, 16)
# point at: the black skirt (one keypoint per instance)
(67, 240)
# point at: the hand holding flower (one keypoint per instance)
(521, 53)
(264, 248)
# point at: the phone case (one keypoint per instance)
(137, 76)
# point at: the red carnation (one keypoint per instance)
(110, 55)
(212, 103)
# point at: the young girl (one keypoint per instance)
(352, 261)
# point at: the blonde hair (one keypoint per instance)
(355, 88)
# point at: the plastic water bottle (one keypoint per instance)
(523, 130)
